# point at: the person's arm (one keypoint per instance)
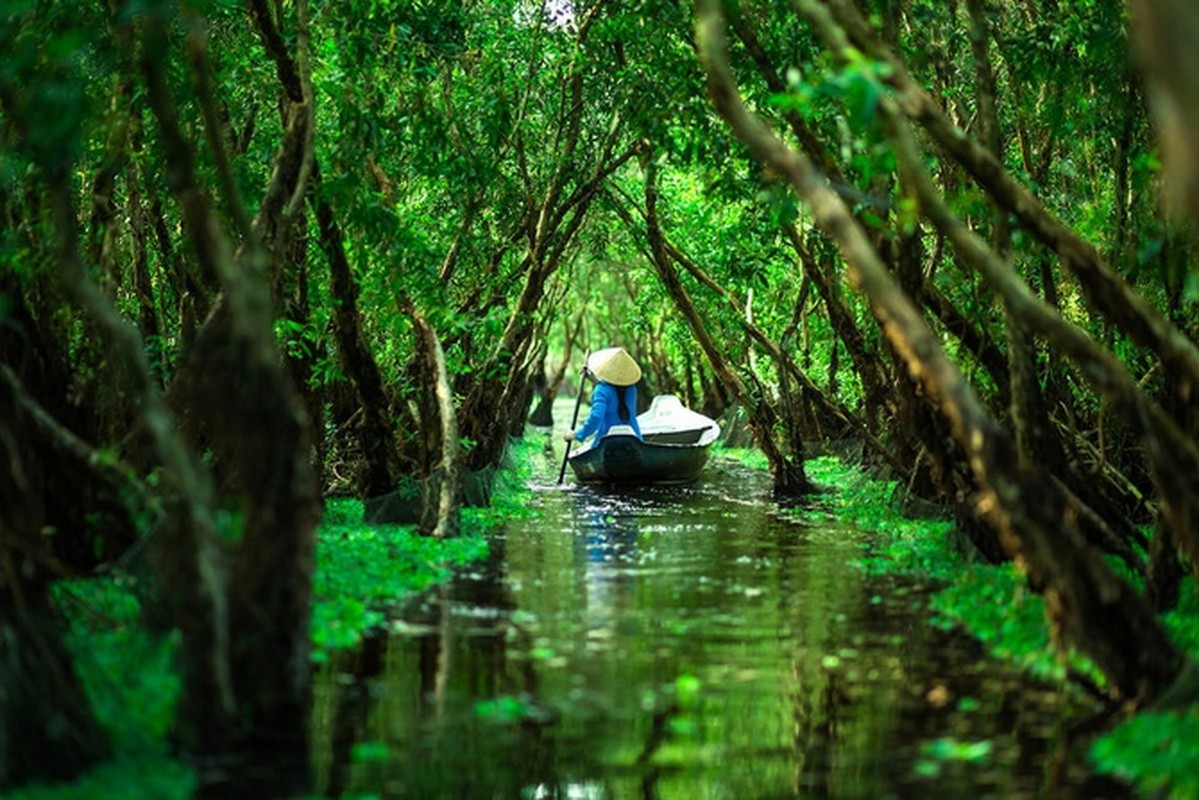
(599, 407)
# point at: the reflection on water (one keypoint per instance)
(682, 643)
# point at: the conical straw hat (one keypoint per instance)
(614, 365)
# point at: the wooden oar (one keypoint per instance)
(574, 420)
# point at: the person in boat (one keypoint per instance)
(614, 399)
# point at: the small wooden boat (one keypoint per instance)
(673, 448)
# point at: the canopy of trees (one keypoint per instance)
(254, 254)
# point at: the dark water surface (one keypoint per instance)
(683, 643)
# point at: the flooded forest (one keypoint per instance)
(295, 299)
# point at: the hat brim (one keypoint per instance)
(615, 366)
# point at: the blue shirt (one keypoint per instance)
(605, 411)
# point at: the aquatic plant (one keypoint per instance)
(1156, 752)
(936, 755)
(362, 569)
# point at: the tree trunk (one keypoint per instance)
(245, 625)
(441, 494)
(1107, 291)
(1086, 602)
(788, 470)
(376, 434)
(1165, 32)
(878, 402)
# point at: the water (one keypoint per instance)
(683, 643)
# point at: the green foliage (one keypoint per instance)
(1157, 752)
(994, 604)
(918, 546)
(130, 680)
(510, 491)
(440, 127)
(127, 672)
(939, 753)
(687, 689)
(1182, 623)
(991, 602)
(504, 710)
(462, 108)
(362, 569)
(130, 676)
(369, 752)
(46, 45)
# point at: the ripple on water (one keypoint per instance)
(690, 642)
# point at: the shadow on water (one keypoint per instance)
(684, 642)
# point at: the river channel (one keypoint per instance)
(684, 643)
